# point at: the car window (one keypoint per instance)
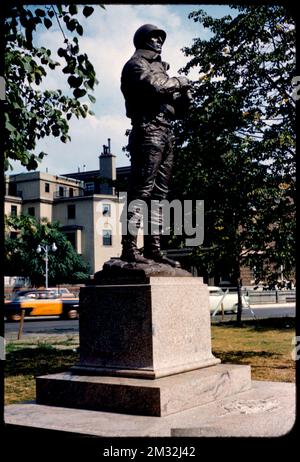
(61, 290)
(52, 294)
(20, 296)
(17, 295)
(30, 295)
(42, 295)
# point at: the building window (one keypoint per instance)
(31, 211)
(71, 192)
(13, 210)
(106, 210)
(71, 211)
(12, 189)
(89, 187)
(47, 187)
(106, 237)
(61, 191)
(72, 239)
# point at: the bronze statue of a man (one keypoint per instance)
(151, 98)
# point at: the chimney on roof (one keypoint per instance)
(78, 168)
(84, 168)
(107, 166)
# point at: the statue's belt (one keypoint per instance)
(164, 118)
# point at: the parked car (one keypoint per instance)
(230, 301)
(48, 302)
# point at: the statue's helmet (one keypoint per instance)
(142, 34)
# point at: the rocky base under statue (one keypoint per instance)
(124, 271)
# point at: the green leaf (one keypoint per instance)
(72, 25)
(42, 155)
(78, 92)
(55, 131)
(73, 9)
(74, 82)
(92, 98)
(47, 22)
(87, 11)
(79, 29)
(40, 12)
(9, 127)
(61, 52)
(28, 67)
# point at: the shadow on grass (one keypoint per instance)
(240, 356)
(39, 361)
(261, 324)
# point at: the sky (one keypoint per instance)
(107, 40)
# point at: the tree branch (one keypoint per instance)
(65, 38)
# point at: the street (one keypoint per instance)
(42, 325)
(54, 325)
(263, 311)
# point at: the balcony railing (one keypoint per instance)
(13, 193)
(67, 194)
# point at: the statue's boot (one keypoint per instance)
(130, 252)
(153, 252)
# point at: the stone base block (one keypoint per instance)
(159, 397)
(152, 329)
(266, 410)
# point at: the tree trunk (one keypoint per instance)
(240, 305)
(239, 292)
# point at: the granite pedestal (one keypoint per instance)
(159, 397)
(148, 330)
(145, 349)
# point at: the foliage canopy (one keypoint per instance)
(22, 259)
(32, 113)
(236, 146)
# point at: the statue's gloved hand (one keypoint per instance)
(182, 101)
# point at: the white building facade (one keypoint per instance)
(88, 211)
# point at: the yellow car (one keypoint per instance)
(48, 302)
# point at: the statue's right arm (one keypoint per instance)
(143, 76)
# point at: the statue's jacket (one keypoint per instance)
(148, 90)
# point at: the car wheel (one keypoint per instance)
(234, 309)
(14, 317)
(72, 314)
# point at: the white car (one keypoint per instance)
(230, 301)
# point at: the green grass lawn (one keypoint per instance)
(265, 345)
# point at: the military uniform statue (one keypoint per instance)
(153, 100)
